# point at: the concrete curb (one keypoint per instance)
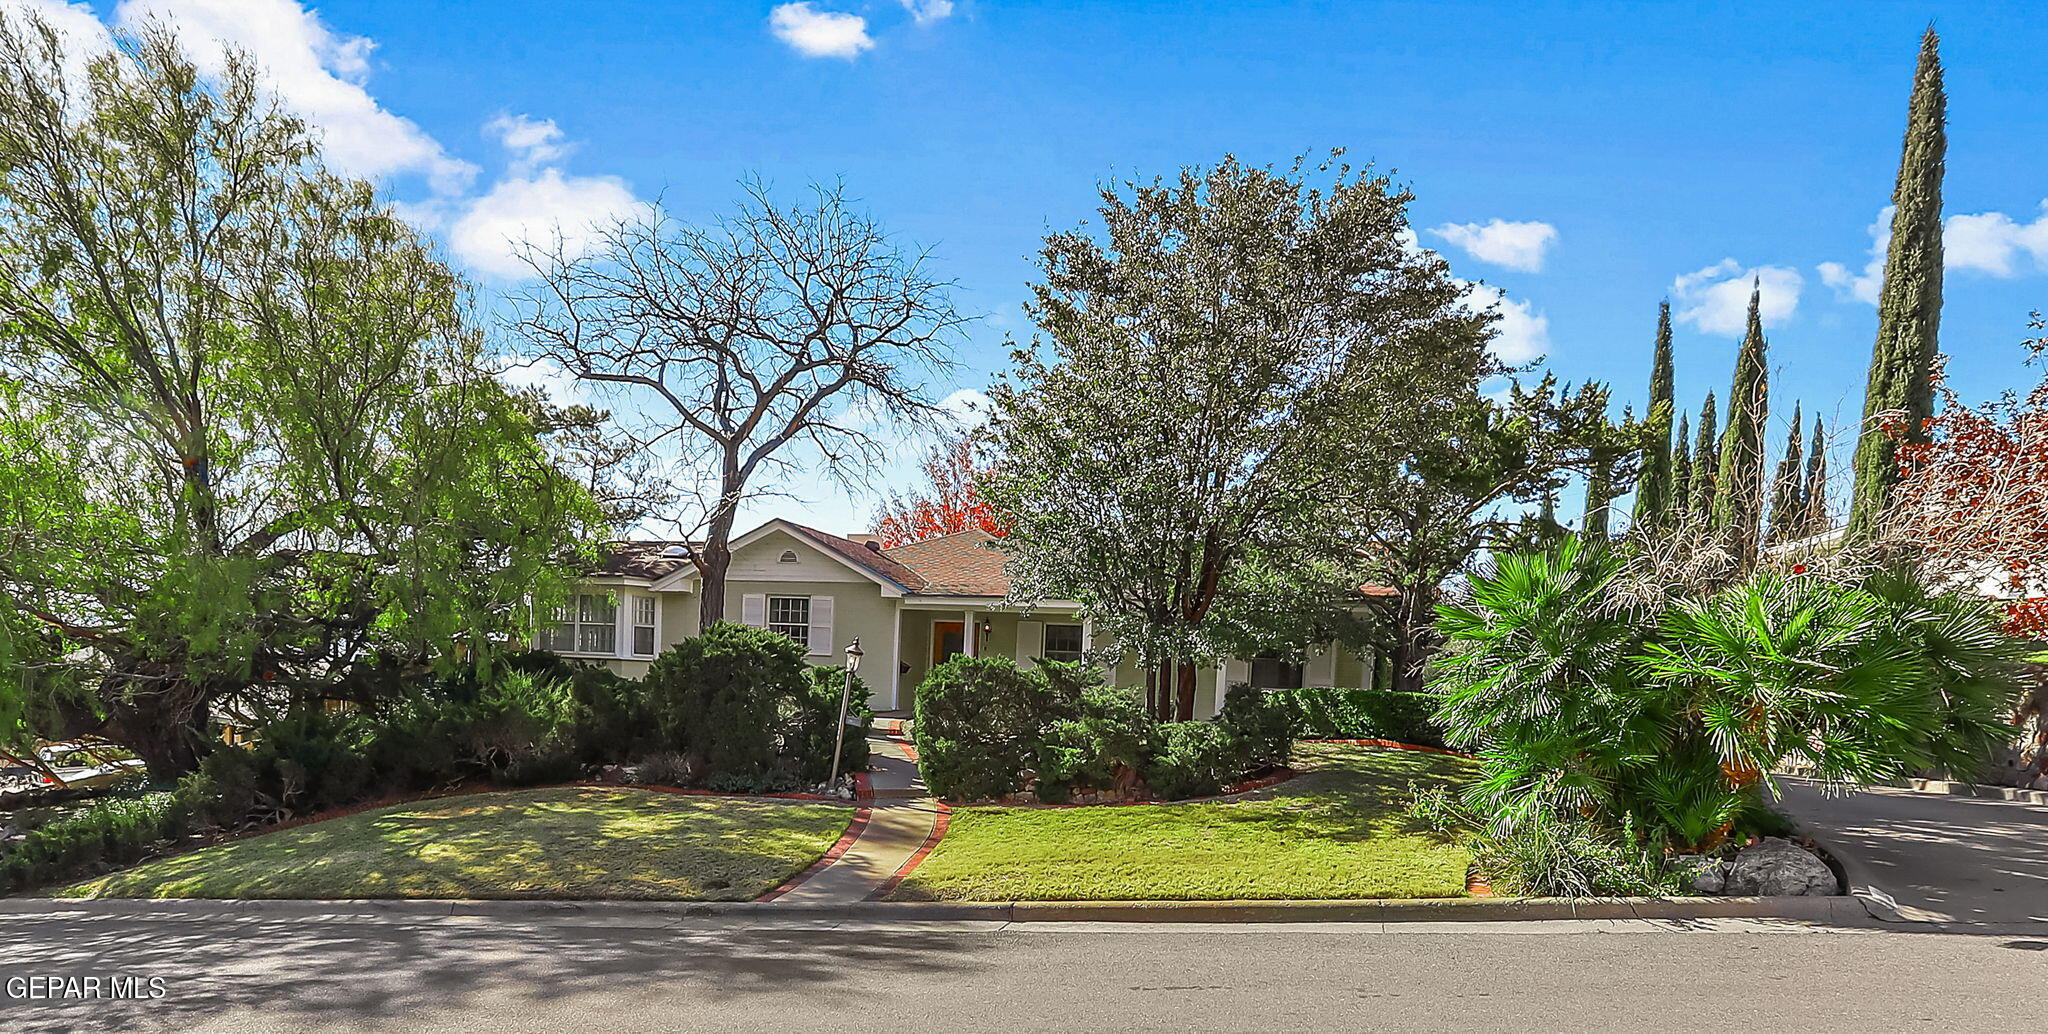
(1832, 910)
(1859, 877)
(1987, 791)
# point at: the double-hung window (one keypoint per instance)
(791, 616)
(1063, 643)
(643, 626)
(584, 623)
(597, 624)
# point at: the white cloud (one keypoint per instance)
(318, 73)
(1992, 241)
(533, 141)
(1987, 242)
(1517, 246)
(924, 12)
(1716, 299)
(75, 23)
(552, 378)
(1521, 334)
(519, 209)
(967, 407)
(816, 33)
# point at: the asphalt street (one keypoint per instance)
(304, 975)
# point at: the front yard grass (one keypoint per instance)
(565, 842)
(1339, 831)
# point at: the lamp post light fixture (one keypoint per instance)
(853, 656)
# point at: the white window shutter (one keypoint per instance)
(1030, 641)
(1322, 668)
(754, 609)
(821, 626)
(1235, 671)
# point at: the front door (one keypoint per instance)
(949, 639)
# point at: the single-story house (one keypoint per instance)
(912, 606)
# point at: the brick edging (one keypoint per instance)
(1395, 745)
(845, 843)
(924, 850)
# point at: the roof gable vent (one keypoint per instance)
(788, 557)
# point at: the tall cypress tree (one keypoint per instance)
(1706, 462)
(1788, 503)
(1814, 494)
(1739, 502)
(1681, 471)
(1909, 306)
(1653, 492)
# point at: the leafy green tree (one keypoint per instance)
(1656, 493)
(1788, 488)
(1681, 471)
(1706, 463)
(1739, 500)
(247, 446)
(1813, 496)
(1444, 505)
(1612, 452)
(1235, 357)
(1899, 399)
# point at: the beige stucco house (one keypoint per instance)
(912, 606)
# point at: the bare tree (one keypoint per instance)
(772, 338)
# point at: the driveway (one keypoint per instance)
(1956, 859)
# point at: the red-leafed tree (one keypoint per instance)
(1973, 498)
(949, 503)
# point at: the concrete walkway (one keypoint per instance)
(1942, 858)
(903, 817)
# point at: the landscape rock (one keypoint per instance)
(1709, 875)
(1776, 867)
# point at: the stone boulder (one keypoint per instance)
(1774, 867)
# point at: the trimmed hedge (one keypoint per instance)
(750, 715)
(741, 701)
(986, 729)
(1361, 714)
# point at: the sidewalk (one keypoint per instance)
(902, 821)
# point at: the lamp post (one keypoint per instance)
(845, 697)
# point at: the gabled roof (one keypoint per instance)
(963, 563)
(880, 562)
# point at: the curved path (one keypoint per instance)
(1942, 858)
(903, 818)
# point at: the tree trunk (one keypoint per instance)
(165, 728)
(714, 557)
(1414, 637)
(1184, 697)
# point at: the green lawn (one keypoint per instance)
(1338, 831)
(571, 842)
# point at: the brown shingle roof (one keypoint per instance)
(643, 558)
(960, 564)
(880, 563)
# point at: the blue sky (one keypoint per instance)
(1666, 148)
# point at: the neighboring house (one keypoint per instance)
(912, 606)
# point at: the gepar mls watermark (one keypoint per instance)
(91, 988)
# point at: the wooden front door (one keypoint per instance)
(949, 639)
